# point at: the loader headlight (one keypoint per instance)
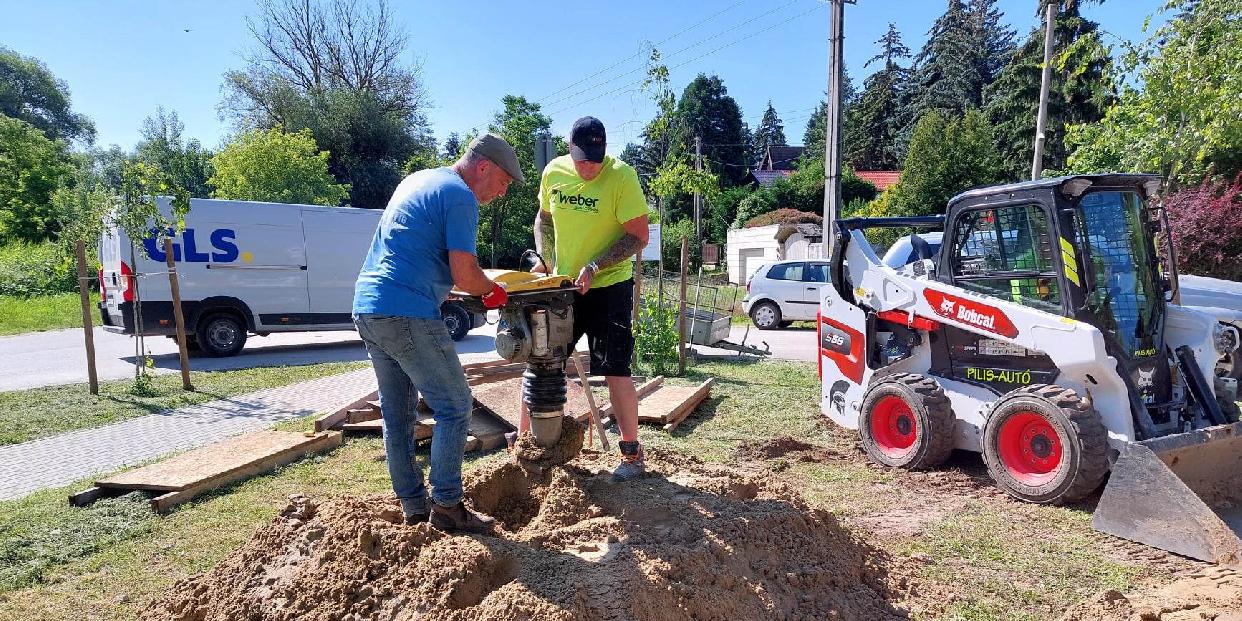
(1225, 338)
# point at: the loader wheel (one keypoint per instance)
(906, 422)
(1044, 444)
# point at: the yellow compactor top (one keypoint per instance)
(516, 281)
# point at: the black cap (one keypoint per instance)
(587, 140)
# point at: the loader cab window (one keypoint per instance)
(1006, 252)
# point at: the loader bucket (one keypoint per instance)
(1181, 493)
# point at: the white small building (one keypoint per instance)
(748, 248)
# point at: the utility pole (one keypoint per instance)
(832, 146)
(698, 198)
(1041, 122)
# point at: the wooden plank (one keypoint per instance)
(91, 494)
(362, 415)
(644, 389)
(219, 461)
(255, 467)
(690, 405)
(338, 416)
(670, 403)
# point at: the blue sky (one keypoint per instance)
(122, 58)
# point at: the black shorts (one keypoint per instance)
(604, 316)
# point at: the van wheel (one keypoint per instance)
(766, 315)
(1044, 444)
(907, 422)
(220, 335)
(457, 320)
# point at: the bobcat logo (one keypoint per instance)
(1145, 378)
(946, 307)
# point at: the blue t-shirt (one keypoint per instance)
(406, 272)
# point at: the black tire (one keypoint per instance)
(766, 315)
(457, 320)
(1032, 466)
(220, 334)
(907, 422)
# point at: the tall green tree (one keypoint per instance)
(274, 166)
(993, 40)
(29, 91)
(336, 67)
(453, 147)
(1183, 119)
(186, 163)
(31, 168)
(706, 110)
(815, 135)
(771, 131)
(945, 158)
(876, 116)
(506, 223)
(1081, 91)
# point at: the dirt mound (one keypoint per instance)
(688, 541)
(786, 447)
(1214, 593)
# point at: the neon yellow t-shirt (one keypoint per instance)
(587, 215)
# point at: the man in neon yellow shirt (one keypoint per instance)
(592, 220)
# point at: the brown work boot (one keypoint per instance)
(459, 519)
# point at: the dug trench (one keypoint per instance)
(689, 541)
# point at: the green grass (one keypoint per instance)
(40, 412)
(49, 312)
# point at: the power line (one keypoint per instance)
(639, 53)
(733, 28)
(727, 45)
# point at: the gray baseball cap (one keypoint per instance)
(499, 151)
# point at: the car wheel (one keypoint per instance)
(457, 320)
(220, 335)
(766, 316)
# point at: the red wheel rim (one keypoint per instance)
(893, 426)
(1030, 448)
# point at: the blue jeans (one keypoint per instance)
(413, 356)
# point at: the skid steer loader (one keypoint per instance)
(1041, 335)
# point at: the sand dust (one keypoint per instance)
(1211, 593)
(689, 541)
(538, 459)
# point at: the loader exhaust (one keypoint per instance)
(1181, 493)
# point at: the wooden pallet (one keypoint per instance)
(669, 405)
(185, 476)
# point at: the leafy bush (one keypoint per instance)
(656, 337)
(28, 270)
(1206, 223)
(782, 216)
(670, 245)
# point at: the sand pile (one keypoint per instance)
(1213, 594)
(688, 542)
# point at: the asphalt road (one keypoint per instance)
(58, 357)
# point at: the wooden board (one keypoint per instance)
(669, 405)
(221, 460)
(504, 399)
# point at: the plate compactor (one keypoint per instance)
(536, 327)
(1045, 334)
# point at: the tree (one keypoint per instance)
(104, 167)
(29, 91)
(1081, 92)
(274, 166)
(505, 224)
(453, 147)
(945, 158)
(707, 111)
(992, 39)
(335, 69)
(1206, 229)
(816, 134)
(876, 115)
(186, 163)
(1184, 118)
(771, 131)
(31, 168)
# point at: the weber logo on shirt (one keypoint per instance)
(577, 202)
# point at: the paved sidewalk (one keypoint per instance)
(63, 459)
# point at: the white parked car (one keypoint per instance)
(785, 291)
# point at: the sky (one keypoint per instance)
(123, 58)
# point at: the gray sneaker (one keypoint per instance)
(629, 470)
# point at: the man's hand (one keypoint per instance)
(584, 279)
(495, 298)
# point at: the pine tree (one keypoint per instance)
(993, 40)
(1081, 91)
(452, 147)
(946, 74)
(817, 126)
(875, 117)
(771, 131)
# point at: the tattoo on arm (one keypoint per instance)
(545, 239)
(626, 247)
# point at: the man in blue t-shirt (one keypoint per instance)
(423, 247)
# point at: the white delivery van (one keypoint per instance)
(246, 268)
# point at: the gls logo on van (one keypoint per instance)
(223, 248)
